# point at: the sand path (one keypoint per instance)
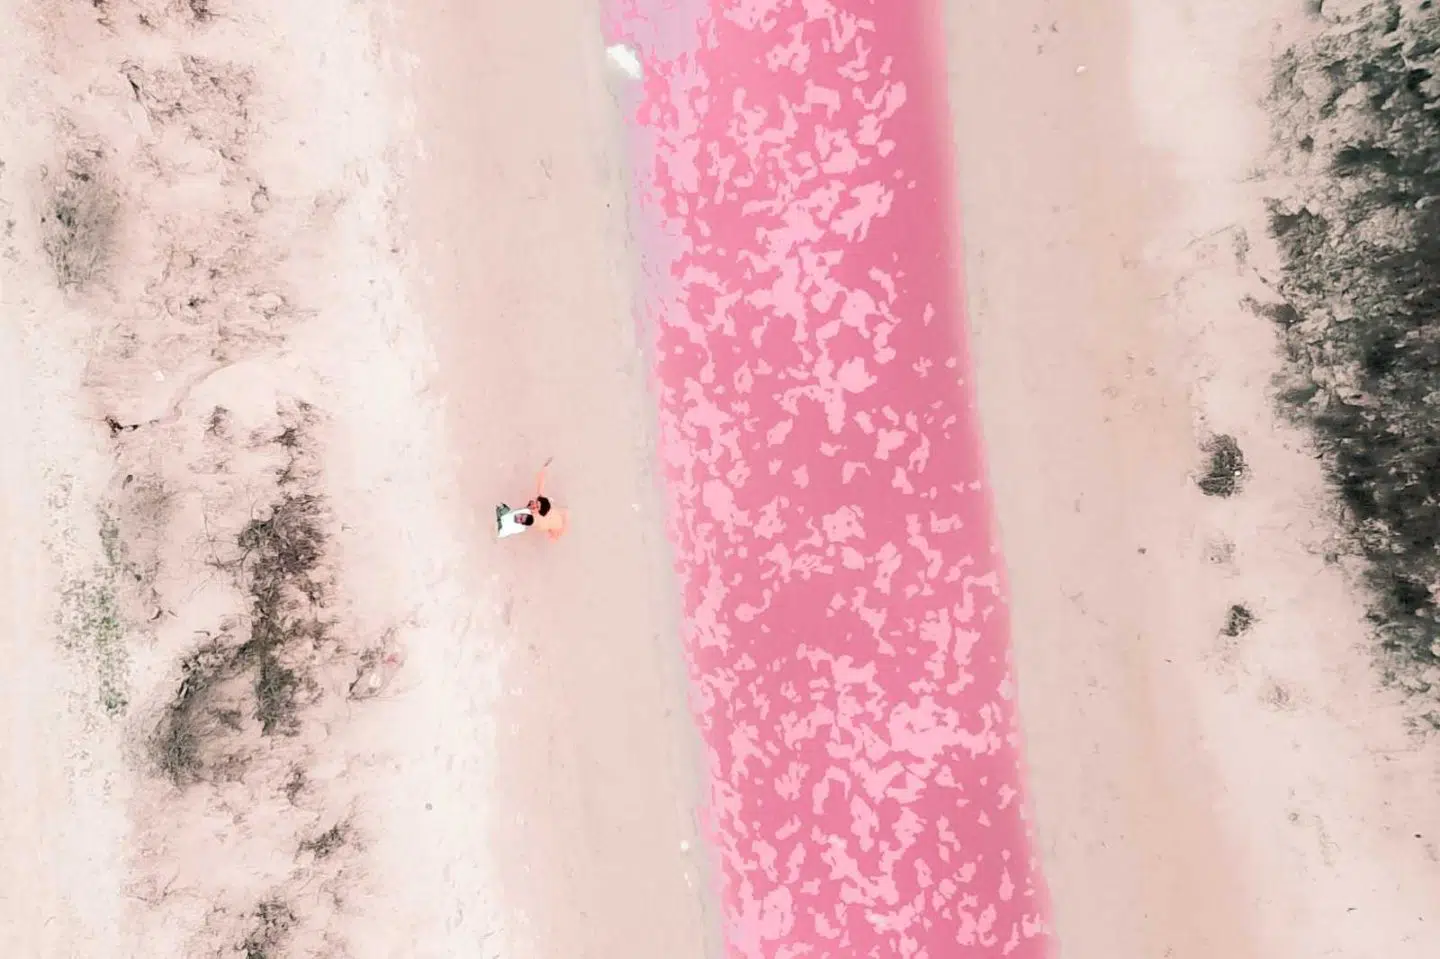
(519, 231)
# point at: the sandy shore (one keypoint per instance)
(519, 232)
(1197, 794)
(261, 277)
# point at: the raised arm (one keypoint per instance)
(540, 478)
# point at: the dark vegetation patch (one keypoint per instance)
(261, 675)
(270, 925)
(217, 424)
(295, 784)
(79, 218)
(1359, 295)
(281, 554)
(1225, 469)
(1238, 620)
(328, 842)
(190, 730)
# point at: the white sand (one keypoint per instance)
(127, 864)
(1196, 796)
(269, 316)
(518, 224)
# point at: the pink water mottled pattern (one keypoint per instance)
(845, 618)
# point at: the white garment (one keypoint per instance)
(508, 526)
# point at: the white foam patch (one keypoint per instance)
(625, 59)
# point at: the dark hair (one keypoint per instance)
(544, 507)
(525, 519)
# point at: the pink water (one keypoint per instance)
(844, 598)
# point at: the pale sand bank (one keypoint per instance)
(1197, 795)
(519, 229)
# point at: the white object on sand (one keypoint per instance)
(624, 58)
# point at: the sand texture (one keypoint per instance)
(292, 294)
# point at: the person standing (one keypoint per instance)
(539, 513)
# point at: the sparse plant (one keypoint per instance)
(275, 688)
(217, 424)
(79, 219)
(277, 565)
(1226, 468)
(295, 784)
(179, 743)
(110, 545)
(281, 554)
(1238, 620)
(271, 923)
(92, 627)
(328, 842)
(375, 668)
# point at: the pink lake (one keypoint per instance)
(844, 595)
